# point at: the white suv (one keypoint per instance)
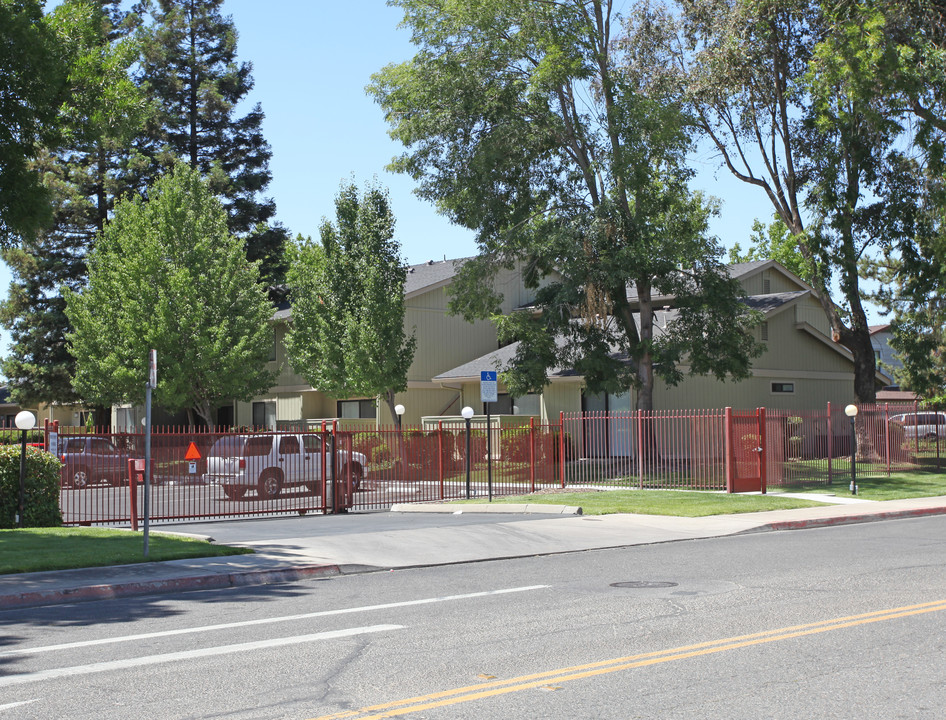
(924, 425)
(270, 462)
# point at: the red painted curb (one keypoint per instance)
(185, 584)
(852, 519)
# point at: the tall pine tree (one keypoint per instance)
(82, 175)
(190, 69)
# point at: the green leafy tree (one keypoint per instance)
(82, 176)
(525, 121)
(190, 70)
(347, 334)
(773, 242)
(32, 86)
(787, 92)
(166, 274)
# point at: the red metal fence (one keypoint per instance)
(376, 468)
(288, 472)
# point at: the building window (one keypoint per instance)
(357, 409)
(766, 284)
(783, 388)
(765, 331)
(502, 406)
(264, 414)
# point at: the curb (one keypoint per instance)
(184, 584)
(847, 519)
(501, 508)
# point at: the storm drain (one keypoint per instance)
(644, 584)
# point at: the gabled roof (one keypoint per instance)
(431, 274)
(420, 279)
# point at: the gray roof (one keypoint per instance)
(424, 275)
(432, 272)
(773, 301)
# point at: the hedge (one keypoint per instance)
(41, 488)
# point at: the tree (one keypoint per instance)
(773, 242)
(191, 73)
(524, 121)
(785, 91)
(347, 334)
(167, 275)
(32, 85)
(81, 176)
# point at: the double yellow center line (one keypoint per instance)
(579, 672)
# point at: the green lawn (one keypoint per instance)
(896, 487)
(658, 502)
(35, 549)
(698, 504)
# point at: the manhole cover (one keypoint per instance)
(644, 584)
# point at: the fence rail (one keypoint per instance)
(374, 468)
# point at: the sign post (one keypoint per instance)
(149, 386)
(489, 393)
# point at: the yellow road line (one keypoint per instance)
(577, 672)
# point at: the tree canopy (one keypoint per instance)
(190, 71)
(33, 73)
(81, 175)
(166, 274)
(524, 121)
(347, 335)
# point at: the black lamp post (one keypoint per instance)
(851, 412)
(26, 421)
(467, 414)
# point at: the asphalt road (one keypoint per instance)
(844, 622)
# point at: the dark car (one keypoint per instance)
(88, 460)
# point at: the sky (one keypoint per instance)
(311, 62)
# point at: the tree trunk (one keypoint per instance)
(645, 364)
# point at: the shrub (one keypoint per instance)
(41, 488)
(11, 436)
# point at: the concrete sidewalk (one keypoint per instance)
(290, 549)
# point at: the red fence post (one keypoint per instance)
(133, 490)
(532, 453)
(440, 455)
(830, 445)
(727, 426)
(887, 434)
(640, 449)
(763, 454)
(561, 445)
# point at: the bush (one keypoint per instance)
(41, 488)
(11, 436)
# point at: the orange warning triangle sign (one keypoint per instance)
(192, 453)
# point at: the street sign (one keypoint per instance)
(489, 391)
(192, 452)
(153, 369)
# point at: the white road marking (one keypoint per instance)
(9, 706)
(264, 621)
(43, 675)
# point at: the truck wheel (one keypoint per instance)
(357, 475)
(234, 493)
(269, 485)
(80, 478)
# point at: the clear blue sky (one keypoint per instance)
(311, 62)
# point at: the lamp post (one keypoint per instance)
(401, 447)
(467, 414)
(25, 420)
(851, 412)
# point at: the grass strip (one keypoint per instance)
(67, 548)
